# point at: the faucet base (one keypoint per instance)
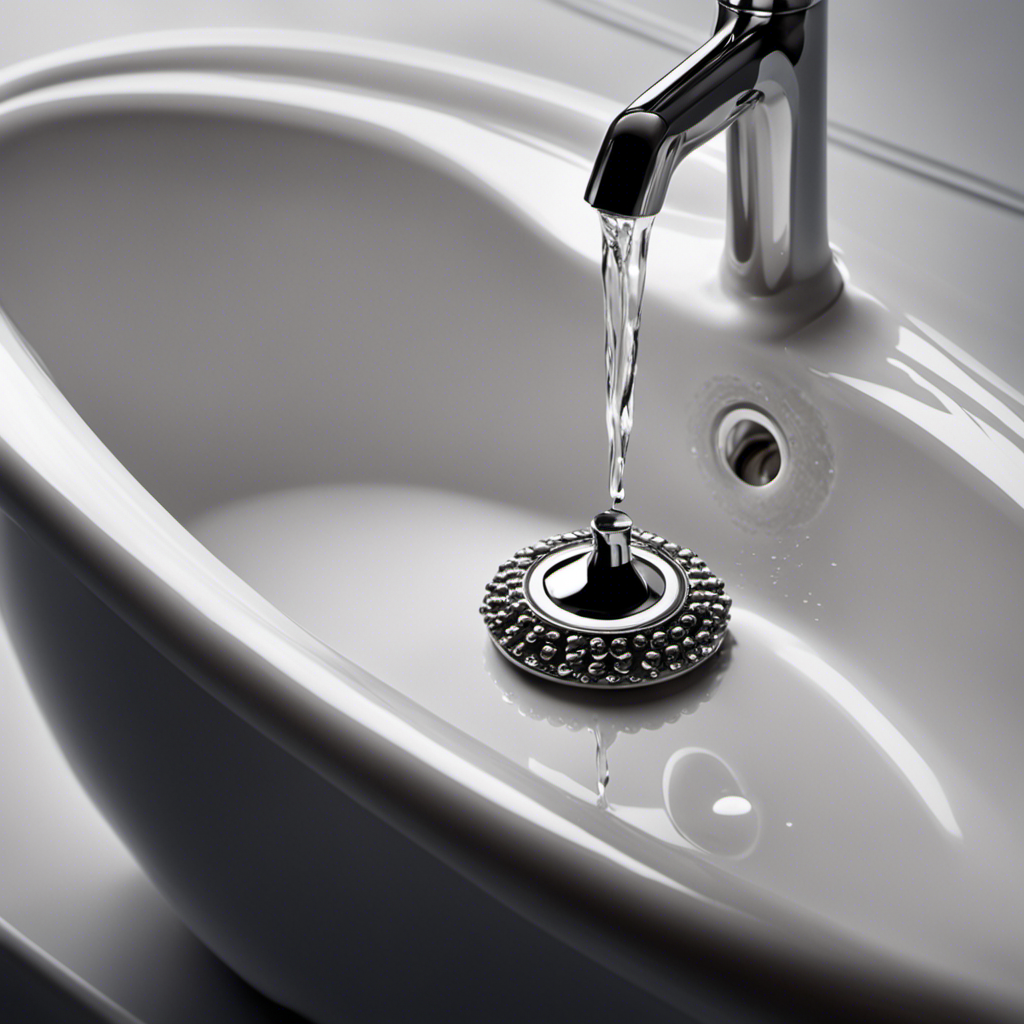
(679, 630)
(776, 314)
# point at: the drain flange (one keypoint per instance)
(681, 626)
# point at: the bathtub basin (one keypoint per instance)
(298, 344)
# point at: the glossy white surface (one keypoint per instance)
(218, 318)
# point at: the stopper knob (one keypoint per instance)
(605, 584)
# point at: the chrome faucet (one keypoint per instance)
(761, 76)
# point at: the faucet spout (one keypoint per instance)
(697, 100)
(761, 75)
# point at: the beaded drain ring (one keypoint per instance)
(681, 626)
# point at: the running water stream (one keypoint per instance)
(623, 269)
(601, 761)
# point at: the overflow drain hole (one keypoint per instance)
(752, 446)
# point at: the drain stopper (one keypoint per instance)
(608, 609)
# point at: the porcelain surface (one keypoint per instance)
(276, 310)
(74, 901)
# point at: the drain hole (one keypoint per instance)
(754, 455)
(752, 446)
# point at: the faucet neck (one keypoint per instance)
(777, 210)
(761, 77)
(768, 6)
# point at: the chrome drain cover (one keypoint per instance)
(680, 630)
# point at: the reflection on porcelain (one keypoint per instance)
(950, 420)
(883, 734)
(732, 806)
(320, 297)
(707, 806)
(606, 715)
